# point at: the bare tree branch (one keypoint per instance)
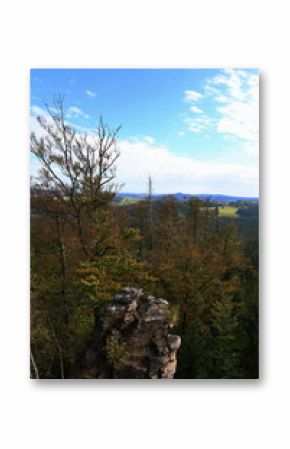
(77, 167)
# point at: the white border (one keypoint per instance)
(204, 414)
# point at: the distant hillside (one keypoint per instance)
(185, 196)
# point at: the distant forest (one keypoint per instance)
(200, 255)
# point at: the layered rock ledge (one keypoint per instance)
(132, 340)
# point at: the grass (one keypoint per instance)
(126, 201)
(228, 211)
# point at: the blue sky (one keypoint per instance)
(193, 130)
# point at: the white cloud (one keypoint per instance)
(192, 95)
(198, 124)
(149, 139)
(35, 166)
(34, 125)
(71, 113)
(173, 173)
(74, 111)
(234, 98)
(90, 93)
(195, 109)
(36, 110)
(239, 117)
(222, 99)
(232, 79)
(234, 95)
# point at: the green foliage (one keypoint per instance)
(173, 315)
(116, 351)
(99, 280)
(201, 256)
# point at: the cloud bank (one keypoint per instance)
(176, 173)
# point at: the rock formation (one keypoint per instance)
(132, 340)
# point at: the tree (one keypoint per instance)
(71, 222)
(78, 169)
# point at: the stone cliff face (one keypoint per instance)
(132, 340)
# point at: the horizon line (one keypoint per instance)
(183, 193)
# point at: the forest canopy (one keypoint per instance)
(85, 246)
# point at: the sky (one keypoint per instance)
(192, 130)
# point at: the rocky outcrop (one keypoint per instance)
(132, 340)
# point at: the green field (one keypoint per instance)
(127, 201)
(228, 211)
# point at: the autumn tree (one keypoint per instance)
(85, 246)
(71, 222)
(77, 170)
